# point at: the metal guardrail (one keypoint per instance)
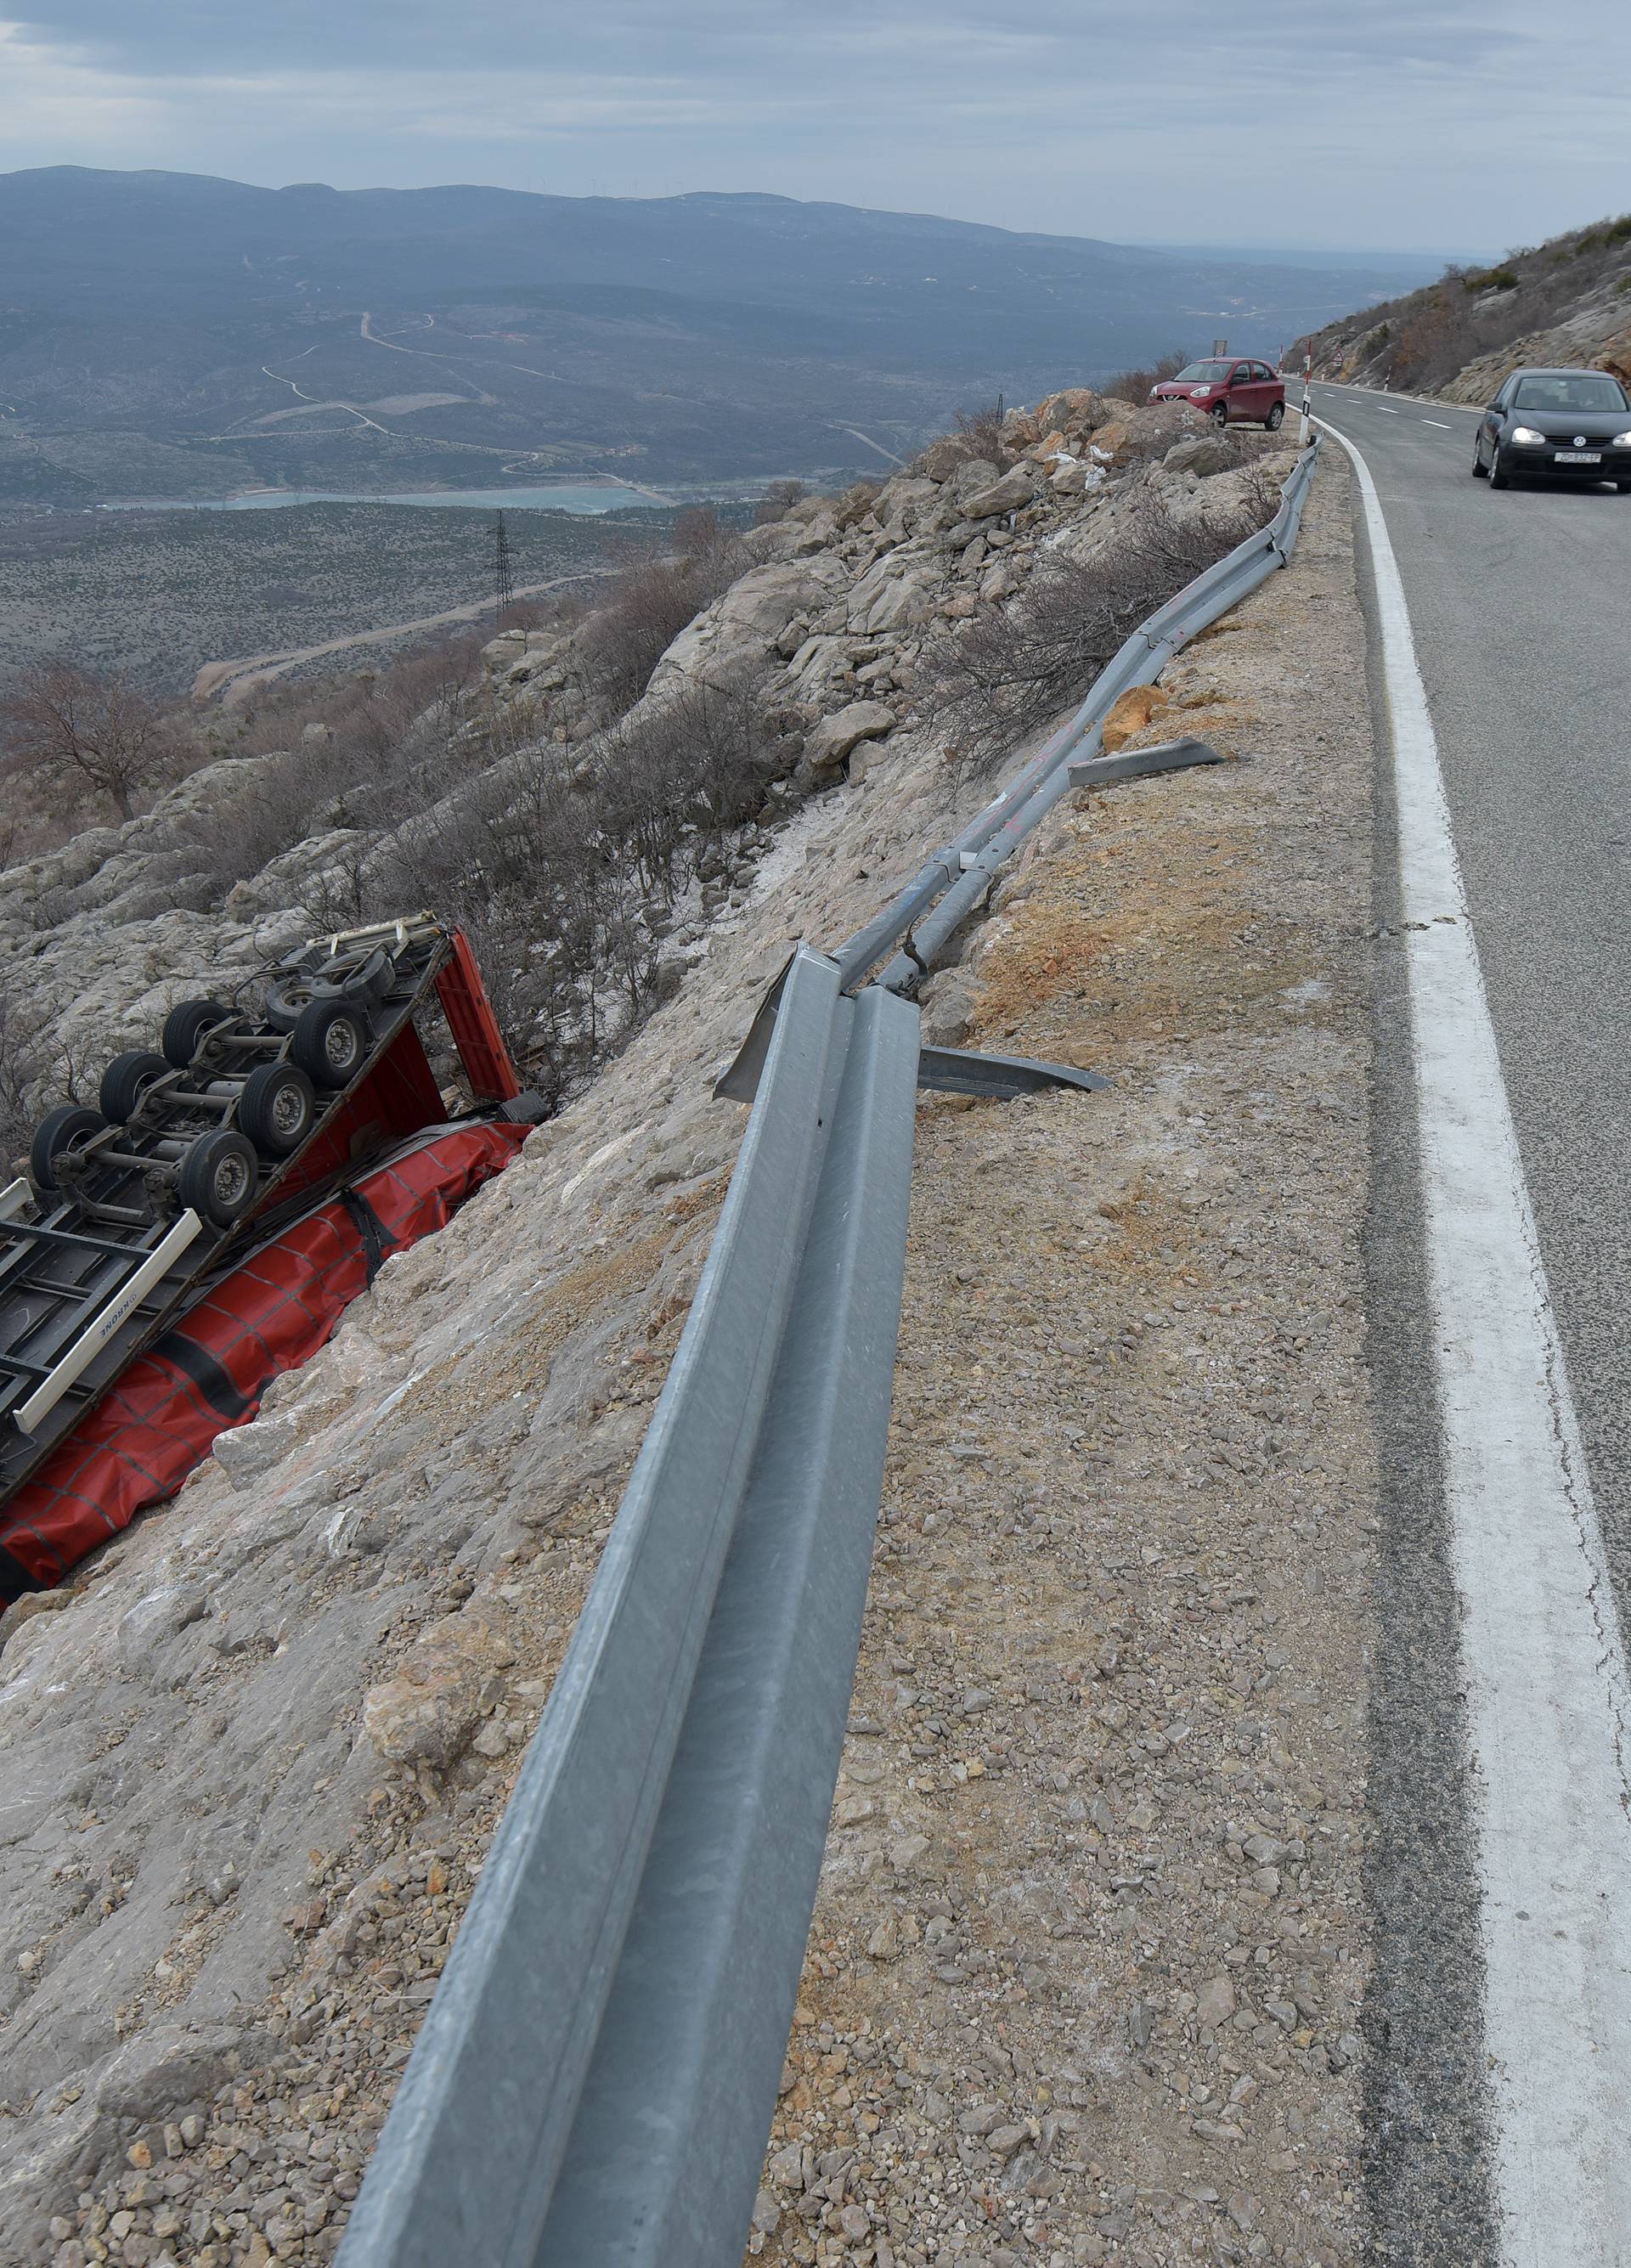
(942, 892)
(624, 1981)
(596, 2076)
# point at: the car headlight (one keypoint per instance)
(1528, 435)
(1201, 392)
(1623, 441)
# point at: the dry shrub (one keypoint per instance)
(650, 603)
(777, 502)
(1013, 668)
(566, 876)
(980, 429)
(1135, 384)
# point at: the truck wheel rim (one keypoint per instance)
(231, 1179)
(289, 1109)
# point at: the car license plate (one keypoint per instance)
(1579, 456)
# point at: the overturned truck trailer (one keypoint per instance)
(201, 1231)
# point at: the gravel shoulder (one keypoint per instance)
(1086, 1974)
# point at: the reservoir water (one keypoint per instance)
(579, 501)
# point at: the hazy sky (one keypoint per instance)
(1368, 123)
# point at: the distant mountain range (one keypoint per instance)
(167, 335)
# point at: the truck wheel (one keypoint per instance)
(287, 1000)
(128, 1079)
(186, 1025)
(276, 1109)
(67, 1128)
(330, 1044)
(217, 1177)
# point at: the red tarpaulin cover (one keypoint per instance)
(209, 1371)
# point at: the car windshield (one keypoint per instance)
(1213, 372)
(1583, 393)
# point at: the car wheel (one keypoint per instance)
(1497, 477)
(1276, 418)
(1478, 460)
(217, 1177)
(276, 1109)
(330, 1044)
(1218, 414)
(67, 1128)
(187, 1024)
(128, 1080)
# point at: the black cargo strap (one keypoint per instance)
(16, 1580)
(185, 1355)
(371, 1228)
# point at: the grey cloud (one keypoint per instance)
(1371, 123)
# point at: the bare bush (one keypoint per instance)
(980, 429)
(1013, 668)
(649, 604)
(566, 876)
(1137, 385)
(96, 736)
(777, 502)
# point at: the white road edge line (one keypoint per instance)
(1439, 422)
(1547, 1700)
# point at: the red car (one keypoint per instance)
(1232, 391)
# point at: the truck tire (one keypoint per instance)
(329, 1044)
(278, 1109)
(287, 1000)
(127, 1080)
(69, 1127)
(218, 1177)
(186, 1025)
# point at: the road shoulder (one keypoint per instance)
(1086, 1974)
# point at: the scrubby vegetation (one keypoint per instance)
(1422, 341)
(1015, 668)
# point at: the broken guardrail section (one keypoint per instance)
(597, 2073)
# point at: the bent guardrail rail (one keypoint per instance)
(957, 875)
(596, 2076)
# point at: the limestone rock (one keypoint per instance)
(1076, 407)
(1011, 493)
(836, 735)
(1203, 454)
(430, 1711)
(948, 1004)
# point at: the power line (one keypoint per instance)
(503, 589)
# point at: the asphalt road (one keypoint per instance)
(1520, 605)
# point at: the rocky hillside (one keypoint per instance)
(252, 1754)
(1565, 301)
(591, 806)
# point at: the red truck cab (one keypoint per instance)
(1230, 389)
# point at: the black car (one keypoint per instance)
(1571, 425)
